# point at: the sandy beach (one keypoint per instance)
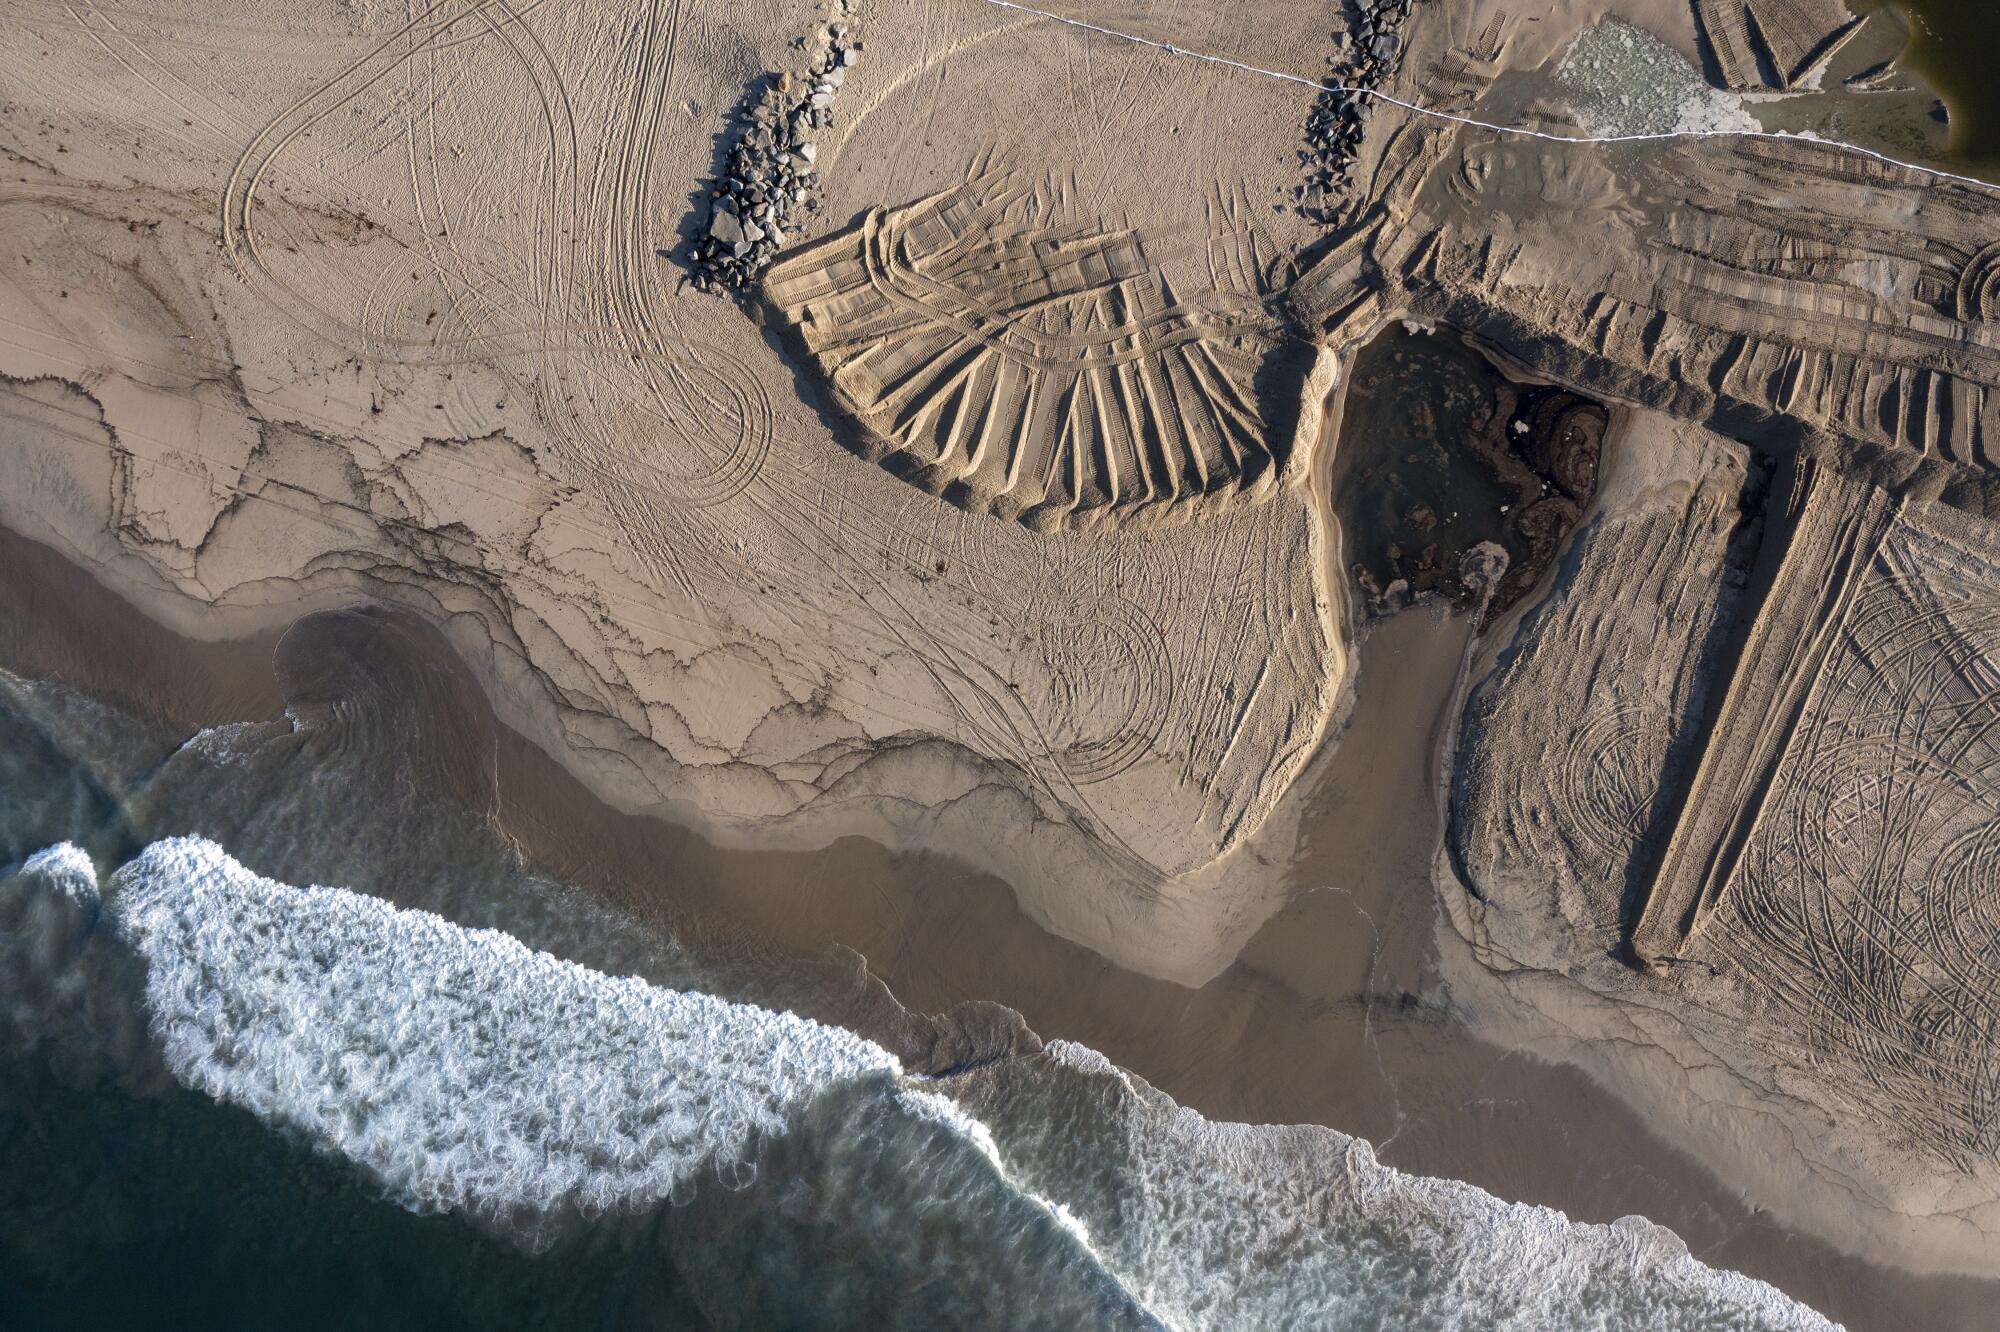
(1424, 570)
(1329, 1015)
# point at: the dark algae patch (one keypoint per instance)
(1445, 465)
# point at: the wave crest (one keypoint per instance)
(1220, 1226)
(464, 1070)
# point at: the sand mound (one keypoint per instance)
(1041, 371)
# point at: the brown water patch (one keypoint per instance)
(1443, 460)
(1953, 45)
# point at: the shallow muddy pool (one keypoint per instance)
(1444, 464)
(1952, 46)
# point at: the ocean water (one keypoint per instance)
(289, 1036)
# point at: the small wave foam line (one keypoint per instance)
(465, 1070)
(1518, 131)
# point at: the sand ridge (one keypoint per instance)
(1048, 372)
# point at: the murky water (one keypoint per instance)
(1440, 457)
(1954, 45)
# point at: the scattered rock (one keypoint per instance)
(1364, 61)
(772, 170)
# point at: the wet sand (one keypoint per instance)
(1330, 1015)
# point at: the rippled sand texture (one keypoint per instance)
(436, 352)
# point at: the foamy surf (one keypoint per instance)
(66, 998)
(1222, 1226)
(464, 1070)
(466, 1073)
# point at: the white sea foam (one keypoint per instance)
(67, 870)
(47, 907)
(467, 1072)
(228, 744)
(1234, 1226)
(1069, 1221)
(938, 1110)
(462, 1069)
(66, 993)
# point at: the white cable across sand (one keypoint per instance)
(1517, 130)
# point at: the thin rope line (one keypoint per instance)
(1517, 130)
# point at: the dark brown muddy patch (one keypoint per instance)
(1444, 465)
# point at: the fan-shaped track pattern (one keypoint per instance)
(1042, 372)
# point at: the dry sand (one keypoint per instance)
(437, 355)
(480, 379)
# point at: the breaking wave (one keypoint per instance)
(463, 1070)
(1216, 1225)
(465, 1073)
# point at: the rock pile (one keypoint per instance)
(773, 179)
(1365, 59)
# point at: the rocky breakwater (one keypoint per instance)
(1365, 57)
(771, 187)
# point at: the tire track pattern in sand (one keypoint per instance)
(1040, 372)
(569, 304)
(1610, 776)
(1568, 745)
(1867, 904)
(1106, 648)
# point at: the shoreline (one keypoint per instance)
(1326, 1016)
(1923, 54)
(915, 790)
